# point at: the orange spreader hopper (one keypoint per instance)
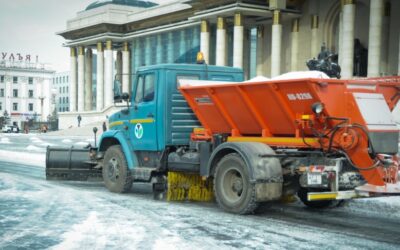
(349, 117)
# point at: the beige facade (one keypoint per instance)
(263, 37)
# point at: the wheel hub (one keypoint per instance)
(233, 185)
(113, 169)
(237, 186)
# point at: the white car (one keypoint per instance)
(9, 129)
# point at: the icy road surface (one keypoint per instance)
(37, 214)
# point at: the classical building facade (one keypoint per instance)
(25, 88)
(262, 37)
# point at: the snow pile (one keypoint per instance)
(5, 140)
(382, 206)
(302, 75)
(35, 140)
(66, 141)
(82, 143)
(95, 230)
(23, 158)
(258, 79)
(34, 148)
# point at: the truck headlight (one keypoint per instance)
(317, 108)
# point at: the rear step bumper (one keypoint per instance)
(366, 190)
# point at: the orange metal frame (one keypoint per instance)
(279, 114)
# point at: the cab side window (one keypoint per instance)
(145, 88)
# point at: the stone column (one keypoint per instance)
(182, 46)
(294, 56)
(260, 51)
(171, 56)
(126, 73)
(73, 79)
(340, 50)
(349, 9)
(88, 80)
(118, 67)
(238, 33)
(375, 37)
(205, 40)
(398, 70)
(220, 59)
(385, 40)
(138, 53)
(159, 55)
(276, 44)
(81, 78)
(315, 44)
(148, 51)
(246, 54)
(108, 75)
(100, 77)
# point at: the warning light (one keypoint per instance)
(200, 58)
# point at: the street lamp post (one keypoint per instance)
(41, 98)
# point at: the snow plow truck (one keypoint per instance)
(198, 132)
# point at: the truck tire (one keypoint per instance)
(232, 187)
(116, 175)
(302, 193)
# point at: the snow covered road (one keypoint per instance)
(38, 214)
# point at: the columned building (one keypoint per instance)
(262, 37)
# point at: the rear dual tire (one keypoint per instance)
(232, 187)
(116, 175)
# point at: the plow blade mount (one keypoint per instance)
(72, 164)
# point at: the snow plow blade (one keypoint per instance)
(72, 164)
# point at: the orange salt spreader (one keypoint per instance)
(335, 139)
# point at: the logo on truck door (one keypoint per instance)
(139, 130)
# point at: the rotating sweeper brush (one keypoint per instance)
(188, 187)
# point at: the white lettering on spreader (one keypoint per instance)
(299, 96)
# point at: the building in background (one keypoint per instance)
(25, 88)
(262, 37)
(61, 86)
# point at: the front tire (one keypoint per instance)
(232, 187)
(116, 175)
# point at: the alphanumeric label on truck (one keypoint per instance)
(203, 100)
(299, 96)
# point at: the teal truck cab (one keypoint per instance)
(144, 137)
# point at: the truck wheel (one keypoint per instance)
(116, 175)
(233, 190)
(302, 193)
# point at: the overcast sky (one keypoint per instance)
(29, 27)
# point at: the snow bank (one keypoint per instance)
(34, 148)
(5, 140)
(258, 79)
(23, 158)
(82, 143)
(286, 76)
(388, 207)
(302, 75)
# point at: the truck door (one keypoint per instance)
(144, 123)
